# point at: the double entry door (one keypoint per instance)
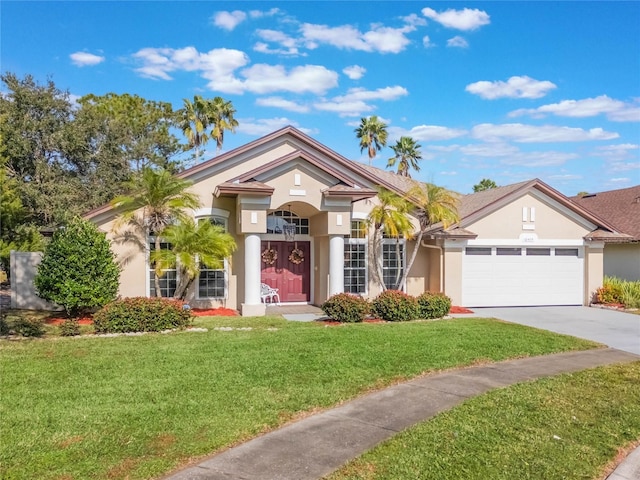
(287, 269)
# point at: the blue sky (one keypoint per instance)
(505, 90)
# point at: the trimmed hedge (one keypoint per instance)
(395, 306)
(433, 305)
(141, 314)
(344, 307)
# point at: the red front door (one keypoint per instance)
(289, 277)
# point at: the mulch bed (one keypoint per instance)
(455, 309)
(214, 312)
(58, 321)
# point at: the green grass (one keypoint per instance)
(135, 407)
(566, 427)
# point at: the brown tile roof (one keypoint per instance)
(620, 207)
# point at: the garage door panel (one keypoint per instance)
(540, 278)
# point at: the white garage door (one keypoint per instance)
(520, 276)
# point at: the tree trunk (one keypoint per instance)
(414, 253)
(377, 257)
(156, 277)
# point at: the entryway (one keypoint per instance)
(286, 266)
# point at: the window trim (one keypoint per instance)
(393, 241)
(350, 240)
(150, 283)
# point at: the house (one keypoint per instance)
(621, 208)
(297, 210)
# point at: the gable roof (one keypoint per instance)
(620, 207)
(475, 206)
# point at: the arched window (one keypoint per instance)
(279, 218)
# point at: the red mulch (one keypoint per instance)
(58, 321)
(214, 312)
(455, 309)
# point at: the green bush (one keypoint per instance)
(4, 326)
(433, 305)
(70, 328)
(141, 314)
(28, 327)
(78, 270)
(615, 290)
(345, 307)
(395, 306)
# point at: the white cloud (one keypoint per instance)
(386, 94)
(266, 13)
(490, 150)
(426, 132)
(379, 39)
(466, 19)
(539, 159)
(427, 43)
(289, 44)
(229, 20)
(279, 102)
(354, 72)
(615, 110)
(521, 133)
(219, 66)
(354, 108)
(515, 87)
(458, 42)
(83, 59)
(355, 102)
(617, 152)
(260, 127)
(451, 173)
(414, 19)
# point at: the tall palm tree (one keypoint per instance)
(221, 118)
(390, 218)
(193, 244)
(407, 155)
(158, 200)
(372, 133)
(432, 204)
(194, 121)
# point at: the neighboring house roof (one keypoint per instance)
(620, 207)
(475, 206)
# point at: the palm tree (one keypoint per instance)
(221, 119)
(194, 121)
(372, 133)
(407, 154)
(158, 200)
(193, 244)
(432, 204)
(389, 218)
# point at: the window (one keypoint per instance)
(477, 251)
(277, 219)
(169, 277)
(392, 261)
(509, 251)
(540, 252)
(212, 282)
(355, 258)
(566, 252)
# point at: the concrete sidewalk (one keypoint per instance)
(317, 445)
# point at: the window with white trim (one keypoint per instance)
(355, 258)
(393, 261)
(212, 282)
(169, 277)
(276, 220)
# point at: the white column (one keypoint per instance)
(336, 264)
(252, 304)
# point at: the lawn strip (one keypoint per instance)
(569, 426)
(135, 407)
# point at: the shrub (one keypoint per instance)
(141, 314)
(395, 306)
(345, 307)
(28, 327)
(70, 328)
(4, 326)
(78, 270)
(615, 290)
(433, 305)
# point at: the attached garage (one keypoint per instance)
(522, 276)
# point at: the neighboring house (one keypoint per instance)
(524, 244)
(621, 208)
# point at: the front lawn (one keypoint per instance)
(135, 407)
(566, 427)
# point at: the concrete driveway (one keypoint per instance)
(616, 329)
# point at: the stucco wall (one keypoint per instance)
(622, 261)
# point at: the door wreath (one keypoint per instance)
(269, 255)
(296, 256)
